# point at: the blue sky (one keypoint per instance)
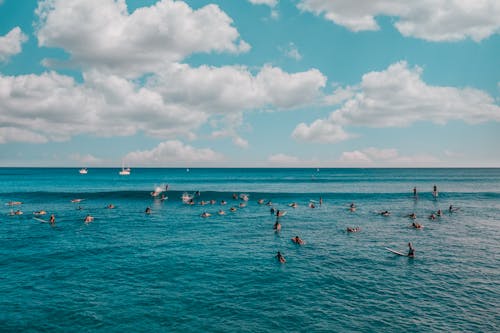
(257, 83)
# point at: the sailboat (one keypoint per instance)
(83, 171)
(124, 171)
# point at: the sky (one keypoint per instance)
(250, 83)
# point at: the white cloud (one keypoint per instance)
(54, 107)
(270, 3)
(86, 159)
(14, 134)
(397, 97)
(433, 20)
(291, 51)
(101, 34)
(384, 157)
(229, 88)
(173, 104)
(283, 159)
(173, 153)
(10, 44)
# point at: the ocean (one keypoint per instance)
(175, 271)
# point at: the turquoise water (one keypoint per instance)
(175, 271)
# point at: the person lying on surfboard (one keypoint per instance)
(416, 225)
(298, 240)
(280, 257)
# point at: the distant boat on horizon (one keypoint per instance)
(83, 171)
(124, 171)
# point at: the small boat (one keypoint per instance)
(124, 171)
(83, 171)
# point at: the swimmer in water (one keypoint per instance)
(110, 206)
(412, 216)
(88, 219)
(221, 212)
(411, 251)
(205, 214)
(148, 210)
(298, 240)
(416, 225)
(52, 219)
(280, 258)
(277, 226)
(385, 213)
(356, 229)
(432, 217)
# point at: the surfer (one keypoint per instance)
(52, 219)
(311, 205)
(385, 213)
(280, 258)
(298, 240)
(293, 205)
(277, 226)
(40, 212)
(411, 250)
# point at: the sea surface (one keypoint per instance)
(175, 271)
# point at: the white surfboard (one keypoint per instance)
(396, 252)
(40, 220)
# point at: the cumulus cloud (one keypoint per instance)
(374, 157)
(228, 88)
(10, 44)
(433, 20)
(102, 34)
(54, 107)
(397, 97)
(172, 104)
(173, 152)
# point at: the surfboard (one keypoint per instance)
(40, 220)
(396, 252)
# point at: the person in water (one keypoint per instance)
(411, 250)
(277, 226)
(280, 257)
(415, 192)
(297, 240)
(412, 216)
(356, 229)
(52, 219)
(385, 213)
(416, 225)
(88, 219)
(148, 210)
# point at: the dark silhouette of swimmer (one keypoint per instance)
(411, 251)
(280, 257)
